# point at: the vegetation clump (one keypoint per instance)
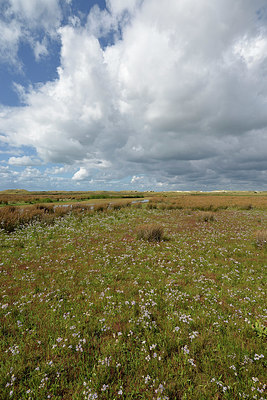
(260, 329)
(261, 238)
(206, 216)
(150, 232)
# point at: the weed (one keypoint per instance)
(260, 329)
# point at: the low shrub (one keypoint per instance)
(152, 233)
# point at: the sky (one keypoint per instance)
(133, 95)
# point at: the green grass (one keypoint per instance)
(90, 311)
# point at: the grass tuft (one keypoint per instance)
(261, 238)
(151, 232)
(206, 216)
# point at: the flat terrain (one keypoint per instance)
(92, 309)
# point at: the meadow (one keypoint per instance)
(158, 300)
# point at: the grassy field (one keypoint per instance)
(164, 300)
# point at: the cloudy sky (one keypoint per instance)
(133, 94)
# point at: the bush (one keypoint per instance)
(152, 233)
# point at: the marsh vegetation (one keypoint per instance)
(92, 307)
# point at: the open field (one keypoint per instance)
(164, 300)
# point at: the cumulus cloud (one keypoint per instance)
(80, 175)
(23, 161)
(179, 94)
(27, 21)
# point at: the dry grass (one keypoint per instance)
(12, 218)
(24, 197)
(261, 238)
(206, 216)
(209, 202)
(151, 232)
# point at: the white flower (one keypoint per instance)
(185, 349)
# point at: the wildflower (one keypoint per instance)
(193, 335)
(258, 356)
(191, 361)
(185, 349)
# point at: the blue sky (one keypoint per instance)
(131, 94)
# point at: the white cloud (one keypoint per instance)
(9, 41)
(24, 160)
(59, 170)
(41, 13)
(180, 96)
(27, 21)
(119, 6)
(40, 49)
(252, 50)
(80, 175)
(136, 179)
(30, 173)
